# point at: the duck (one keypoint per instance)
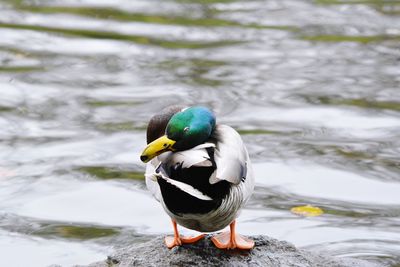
(200, 172)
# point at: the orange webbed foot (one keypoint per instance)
(231, 240)
(224, 241)
(171, 241)
(177, 240)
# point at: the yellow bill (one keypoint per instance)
(157, 147)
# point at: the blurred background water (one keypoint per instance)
(312, 86)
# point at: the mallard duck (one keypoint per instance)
(200, 172)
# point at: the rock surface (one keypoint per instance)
(267, 252)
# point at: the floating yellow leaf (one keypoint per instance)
(308, 211)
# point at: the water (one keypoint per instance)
(312, 86)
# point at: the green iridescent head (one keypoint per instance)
(191, 127)
(186, 129)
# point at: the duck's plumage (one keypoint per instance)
(202, 188)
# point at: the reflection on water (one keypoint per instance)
(312, 86)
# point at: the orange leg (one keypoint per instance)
(232, 240)
(177, 240)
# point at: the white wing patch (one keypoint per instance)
(197, 156)
(231, 157)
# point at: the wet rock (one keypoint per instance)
(267, 252)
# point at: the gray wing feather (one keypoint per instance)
(231, 156)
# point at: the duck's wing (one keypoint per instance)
(156, 129)
(231, 157)
(197, 156)
(185, 170)
(184, 176)
(183, 179)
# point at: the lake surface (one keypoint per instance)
(313, 86)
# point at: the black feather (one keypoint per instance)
(180, 202)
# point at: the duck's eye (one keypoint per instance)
(186, 129)
(165, 145)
